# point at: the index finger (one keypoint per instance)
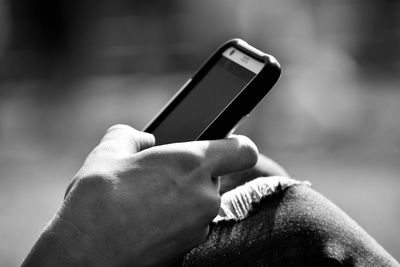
(234, 154)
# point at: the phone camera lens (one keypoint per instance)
(232, 52)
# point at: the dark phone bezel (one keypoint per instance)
(241, 105)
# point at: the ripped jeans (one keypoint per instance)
(283, 222)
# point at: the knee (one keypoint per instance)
(307, 229)
(296, 227)
(310, 227)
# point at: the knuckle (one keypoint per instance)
(119, 127)
(70, 186)
(188, 159)
(181, 157)
(121, 130)
(192, 161)
(99, 182)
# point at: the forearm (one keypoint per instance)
(62, 244)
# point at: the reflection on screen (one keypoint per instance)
(203, 104)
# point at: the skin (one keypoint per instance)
(265, 167)
(133, 203)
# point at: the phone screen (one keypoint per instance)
(208, 98)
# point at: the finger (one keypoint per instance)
(264, 167)
(229, 155)
(125, 139)
(268, 167)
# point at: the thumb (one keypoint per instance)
(124, 139)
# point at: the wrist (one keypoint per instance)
(64, 244)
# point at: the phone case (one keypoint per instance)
(242, 104)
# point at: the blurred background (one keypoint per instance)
(70, 69)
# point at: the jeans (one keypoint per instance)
(295, 227)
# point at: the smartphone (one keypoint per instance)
(225, 89)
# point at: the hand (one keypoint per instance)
(133, 203)
(264, 167)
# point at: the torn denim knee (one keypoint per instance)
(238, 203)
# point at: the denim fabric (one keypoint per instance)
(238, 203)
(296, 227)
